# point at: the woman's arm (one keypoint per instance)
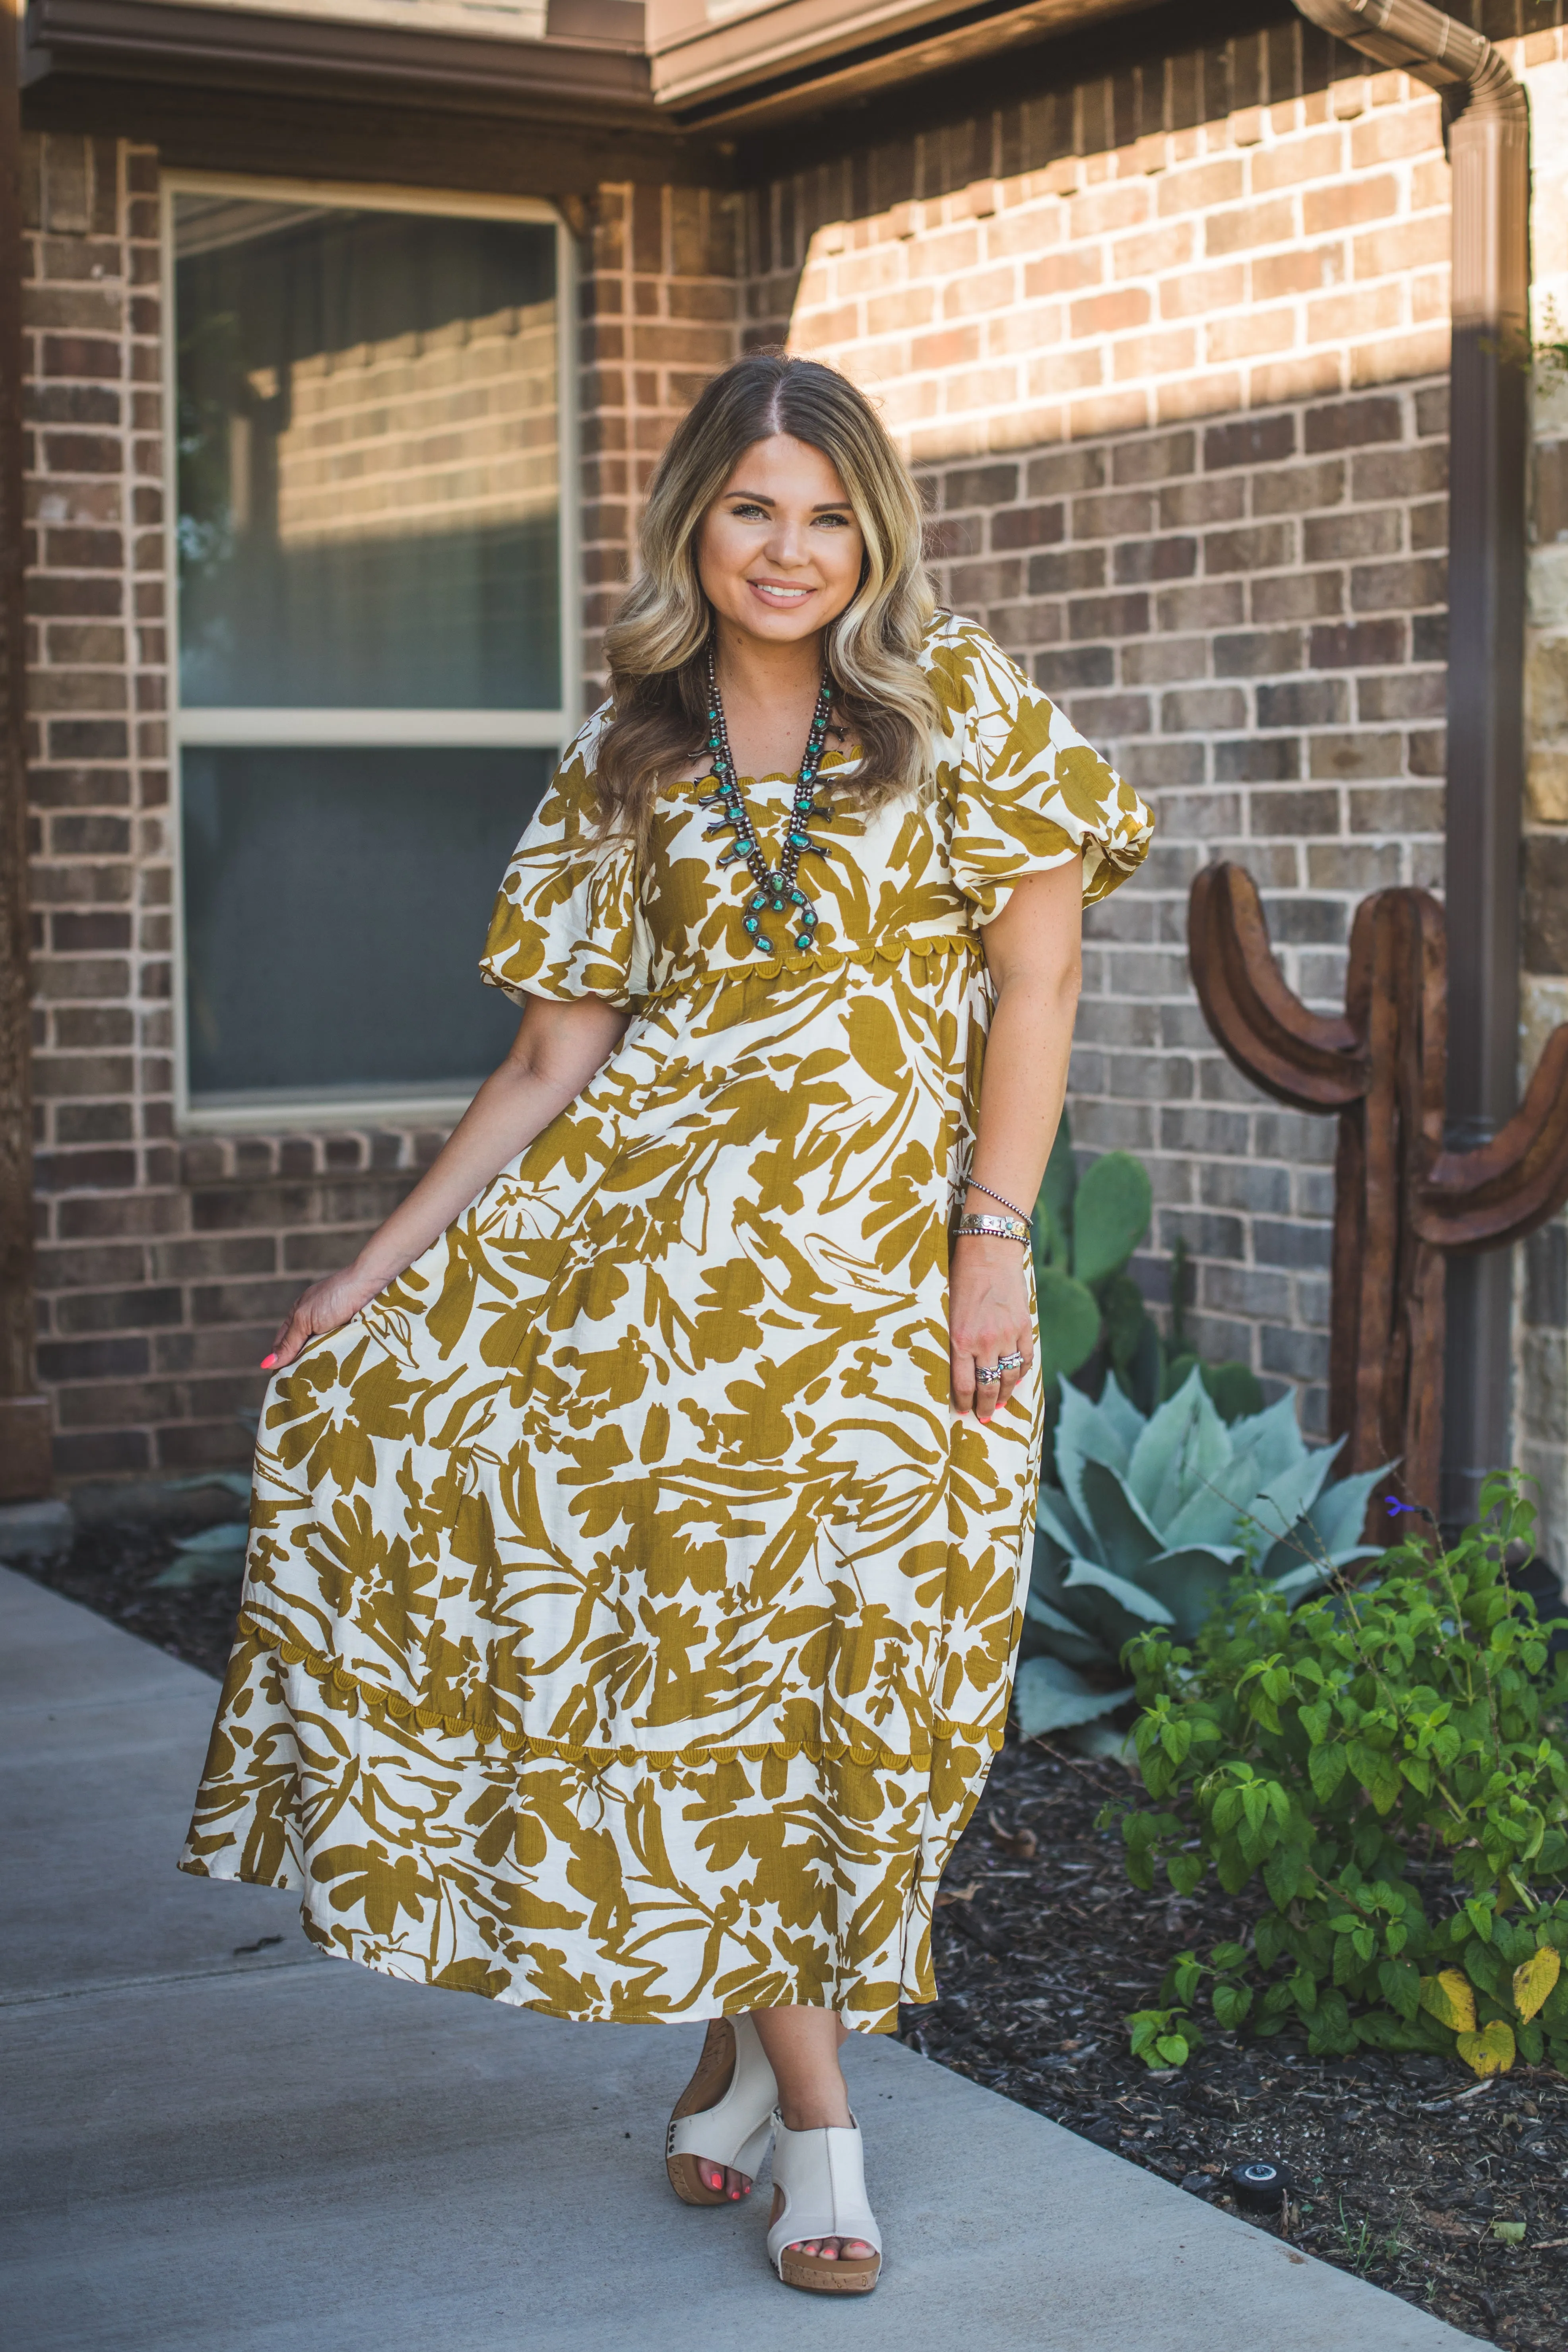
(556, 1051)
(1034, 951)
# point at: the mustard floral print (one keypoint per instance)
(628, 1619)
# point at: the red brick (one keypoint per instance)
(103, 1171)
(1319, 157)
(1384, 587)
(1266, 547)
(80, 355)
(1201, 186)
(1063, 274)
(1199, 292)
(83, 453)
(92, 1359)
(1305, 271)
(1249, 225)
(1110, 314)
(1015, 527)
(103, 1454)
(1359, 644)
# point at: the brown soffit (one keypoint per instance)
(593, 75)
(723, 65)
(601, 65)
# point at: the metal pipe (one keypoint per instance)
(1488, 149)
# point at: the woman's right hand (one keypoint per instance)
(327, 1306)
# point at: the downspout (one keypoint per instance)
(25, 1466)
(1489, 147)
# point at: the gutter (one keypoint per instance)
(1489, 147)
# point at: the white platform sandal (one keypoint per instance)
(821, 2178)
(733, 2126)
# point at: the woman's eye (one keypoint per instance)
(835, 521)
(747, 512)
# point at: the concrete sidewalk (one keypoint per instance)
(258, 2150)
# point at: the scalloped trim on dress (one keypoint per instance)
(810, 959)
(434, 1719)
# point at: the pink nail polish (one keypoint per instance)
(267, 1362)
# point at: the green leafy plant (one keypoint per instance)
(1154, 1518)
(1379, 1763)
(1093, 1318)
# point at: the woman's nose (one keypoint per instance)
(787, 543)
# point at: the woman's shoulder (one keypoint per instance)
(968, 668)
(568, 799)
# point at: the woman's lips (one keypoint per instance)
(780, 592)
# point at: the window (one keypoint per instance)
(371, 548)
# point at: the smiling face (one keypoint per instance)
(778, 553)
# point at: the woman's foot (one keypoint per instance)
(738, 2125)
(803, 2046)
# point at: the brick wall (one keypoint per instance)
(660, 313)
(1234, 611)
(166, 1262)
(1168, 350)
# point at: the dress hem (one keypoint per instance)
(863, 1753)
(887, 2020)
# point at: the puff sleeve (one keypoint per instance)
(566, 922)
(1030, 793)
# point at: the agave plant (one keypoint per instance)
(1093, 1318)
(1154, 1518)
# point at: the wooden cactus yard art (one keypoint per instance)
(1403, 1204)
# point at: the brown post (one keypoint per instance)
(25, 1472)
(1488, 147)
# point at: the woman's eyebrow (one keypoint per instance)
(760, 499)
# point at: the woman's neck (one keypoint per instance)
(755, 669)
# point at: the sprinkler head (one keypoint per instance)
(1259, 2187)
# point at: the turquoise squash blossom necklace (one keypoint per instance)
(778, 891)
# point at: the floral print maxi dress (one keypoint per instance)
(629, 1620)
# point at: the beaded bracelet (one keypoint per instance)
(975, 1185)
(1005, 1229)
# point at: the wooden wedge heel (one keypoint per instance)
(820, 2181)
(724, 2116)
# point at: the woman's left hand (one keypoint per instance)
(989, 1322)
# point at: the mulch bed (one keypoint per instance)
(1400, 2166)
(111, 1567)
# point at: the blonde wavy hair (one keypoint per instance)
(657, 647)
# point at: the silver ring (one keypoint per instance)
(986, 1375)
(1009, 1363)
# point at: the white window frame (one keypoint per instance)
(461, 729)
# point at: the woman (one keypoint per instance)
(639, 1521)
